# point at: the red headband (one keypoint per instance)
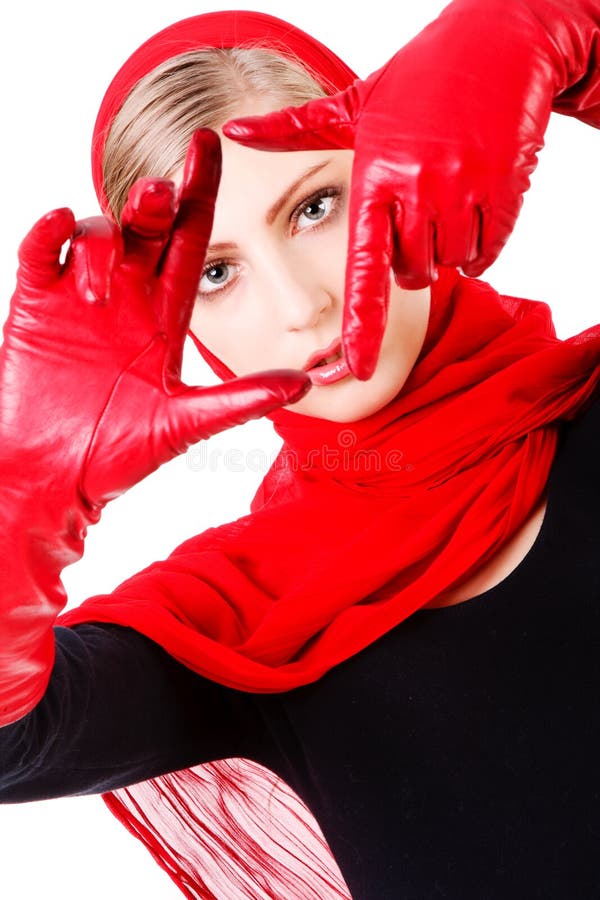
(231, 28)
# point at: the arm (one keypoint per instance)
(89, 735)
(91, 399)
(446, 136)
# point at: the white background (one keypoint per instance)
(56, 60)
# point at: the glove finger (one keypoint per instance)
(184, 256)
(323, 124)
(95, 252)
(414, 259)
(198, 413)
(457, 238)
(39, 252)
(146, 223)
(494, 231)
(370, 248)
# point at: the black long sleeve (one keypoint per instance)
(118, 709)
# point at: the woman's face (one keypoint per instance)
(272, 290)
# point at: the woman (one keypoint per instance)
(455, 445)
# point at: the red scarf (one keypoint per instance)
(423, 492)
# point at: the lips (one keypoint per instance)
(327, 366)
(328, 355)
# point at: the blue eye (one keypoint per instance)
(215, 277)
(217, 274)
(316, 208)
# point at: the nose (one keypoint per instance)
(303, 309)
(298, 296)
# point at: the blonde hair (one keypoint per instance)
(199, 89)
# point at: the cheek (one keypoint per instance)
(323, 254)
(408, 317)
(237, 334)
(207, 327)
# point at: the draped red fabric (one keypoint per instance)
(426, 490)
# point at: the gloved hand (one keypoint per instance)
(445, 138)
(91, 399)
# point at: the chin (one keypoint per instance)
(349, 401)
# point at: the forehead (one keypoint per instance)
(253, 180)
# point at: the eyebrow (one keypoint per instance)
(278, 205)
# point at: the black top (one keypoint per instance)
(456, 757)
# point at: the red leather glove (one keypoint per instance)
(445, 138)
(91, 399)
